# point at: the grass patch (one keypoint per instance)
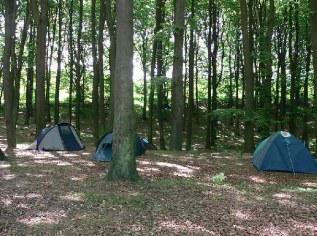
(219, 179)
(177, 182)
(293, 189)
(108, 200)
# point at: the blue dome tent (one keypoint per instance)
(60, 137)
(104, 147)
(283, 152)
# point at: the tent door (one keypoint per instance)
(68, 138)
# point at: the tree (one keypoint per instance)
(95, 95)
(177, 80)
(191, 79)
(313, 29)
(59, 61)
(112, 61)
(123, 165)
(249, 83)
(41, 22)
(8, 75)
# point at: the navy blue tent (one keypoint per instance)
(60, 137)
(283, 152)
(104, 148)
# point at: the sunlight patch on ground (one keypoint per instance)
(4, 165)
(86, 153)
(33, 195)
(44, 218)
(145, 162)
(41, 155)
(79, 178)
(53, 162)
(148, 169)
(6, 201)
(282, 196)
(257, 179)
(312, 227)
(24, 206)
(64, 163)
(185, 226)
(181, 170)
(73, 197)
(306, 184)
(35, 175)
(64, 154)
(8, 176)
(241, 215)
(273, 230)
(84, 162)
(23, 146)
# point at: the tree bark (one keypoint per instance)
(102, 115)
(313, 30)
(40, 65)
(123, 165)
(30, 75)
(78, 66)
(191, 64)
(8, 78)
(177, 80)
(95, 95)
(249, 82)
(112, 61)
(71, 61)
(59, 62)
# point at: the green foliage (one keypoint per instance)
(219, 179)
(227, 113)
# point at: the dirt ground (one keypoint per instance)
(185, 193)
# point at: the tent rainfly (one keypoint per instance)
(104, 147)
(60, 137)
(283, 152)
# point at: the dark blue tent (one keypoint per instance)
(283, 152)
(59, 137)
(104, 148)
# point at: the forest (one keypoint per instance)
(204, 81)
(250, 68)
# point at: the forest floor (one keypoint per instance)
(181, 193)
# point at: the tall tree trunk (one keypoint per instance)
(214, 82)
(59, 62)
(313, 29)
(112, 61)
(8, 79)
(123, 165)
(282, 47)
(144, 62)
(177, 80)
(20, 62)
(249, 82)
(40, 65)
(160, 79)
(293, 57)
(30, 75)
(95, 95)
(209, 53)
(196, 80)
(102, 115)
(71, 61)
(158, 13)
(266, 67)
(49, 55)
(191, 64)
(79, 71)
(306, 101)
